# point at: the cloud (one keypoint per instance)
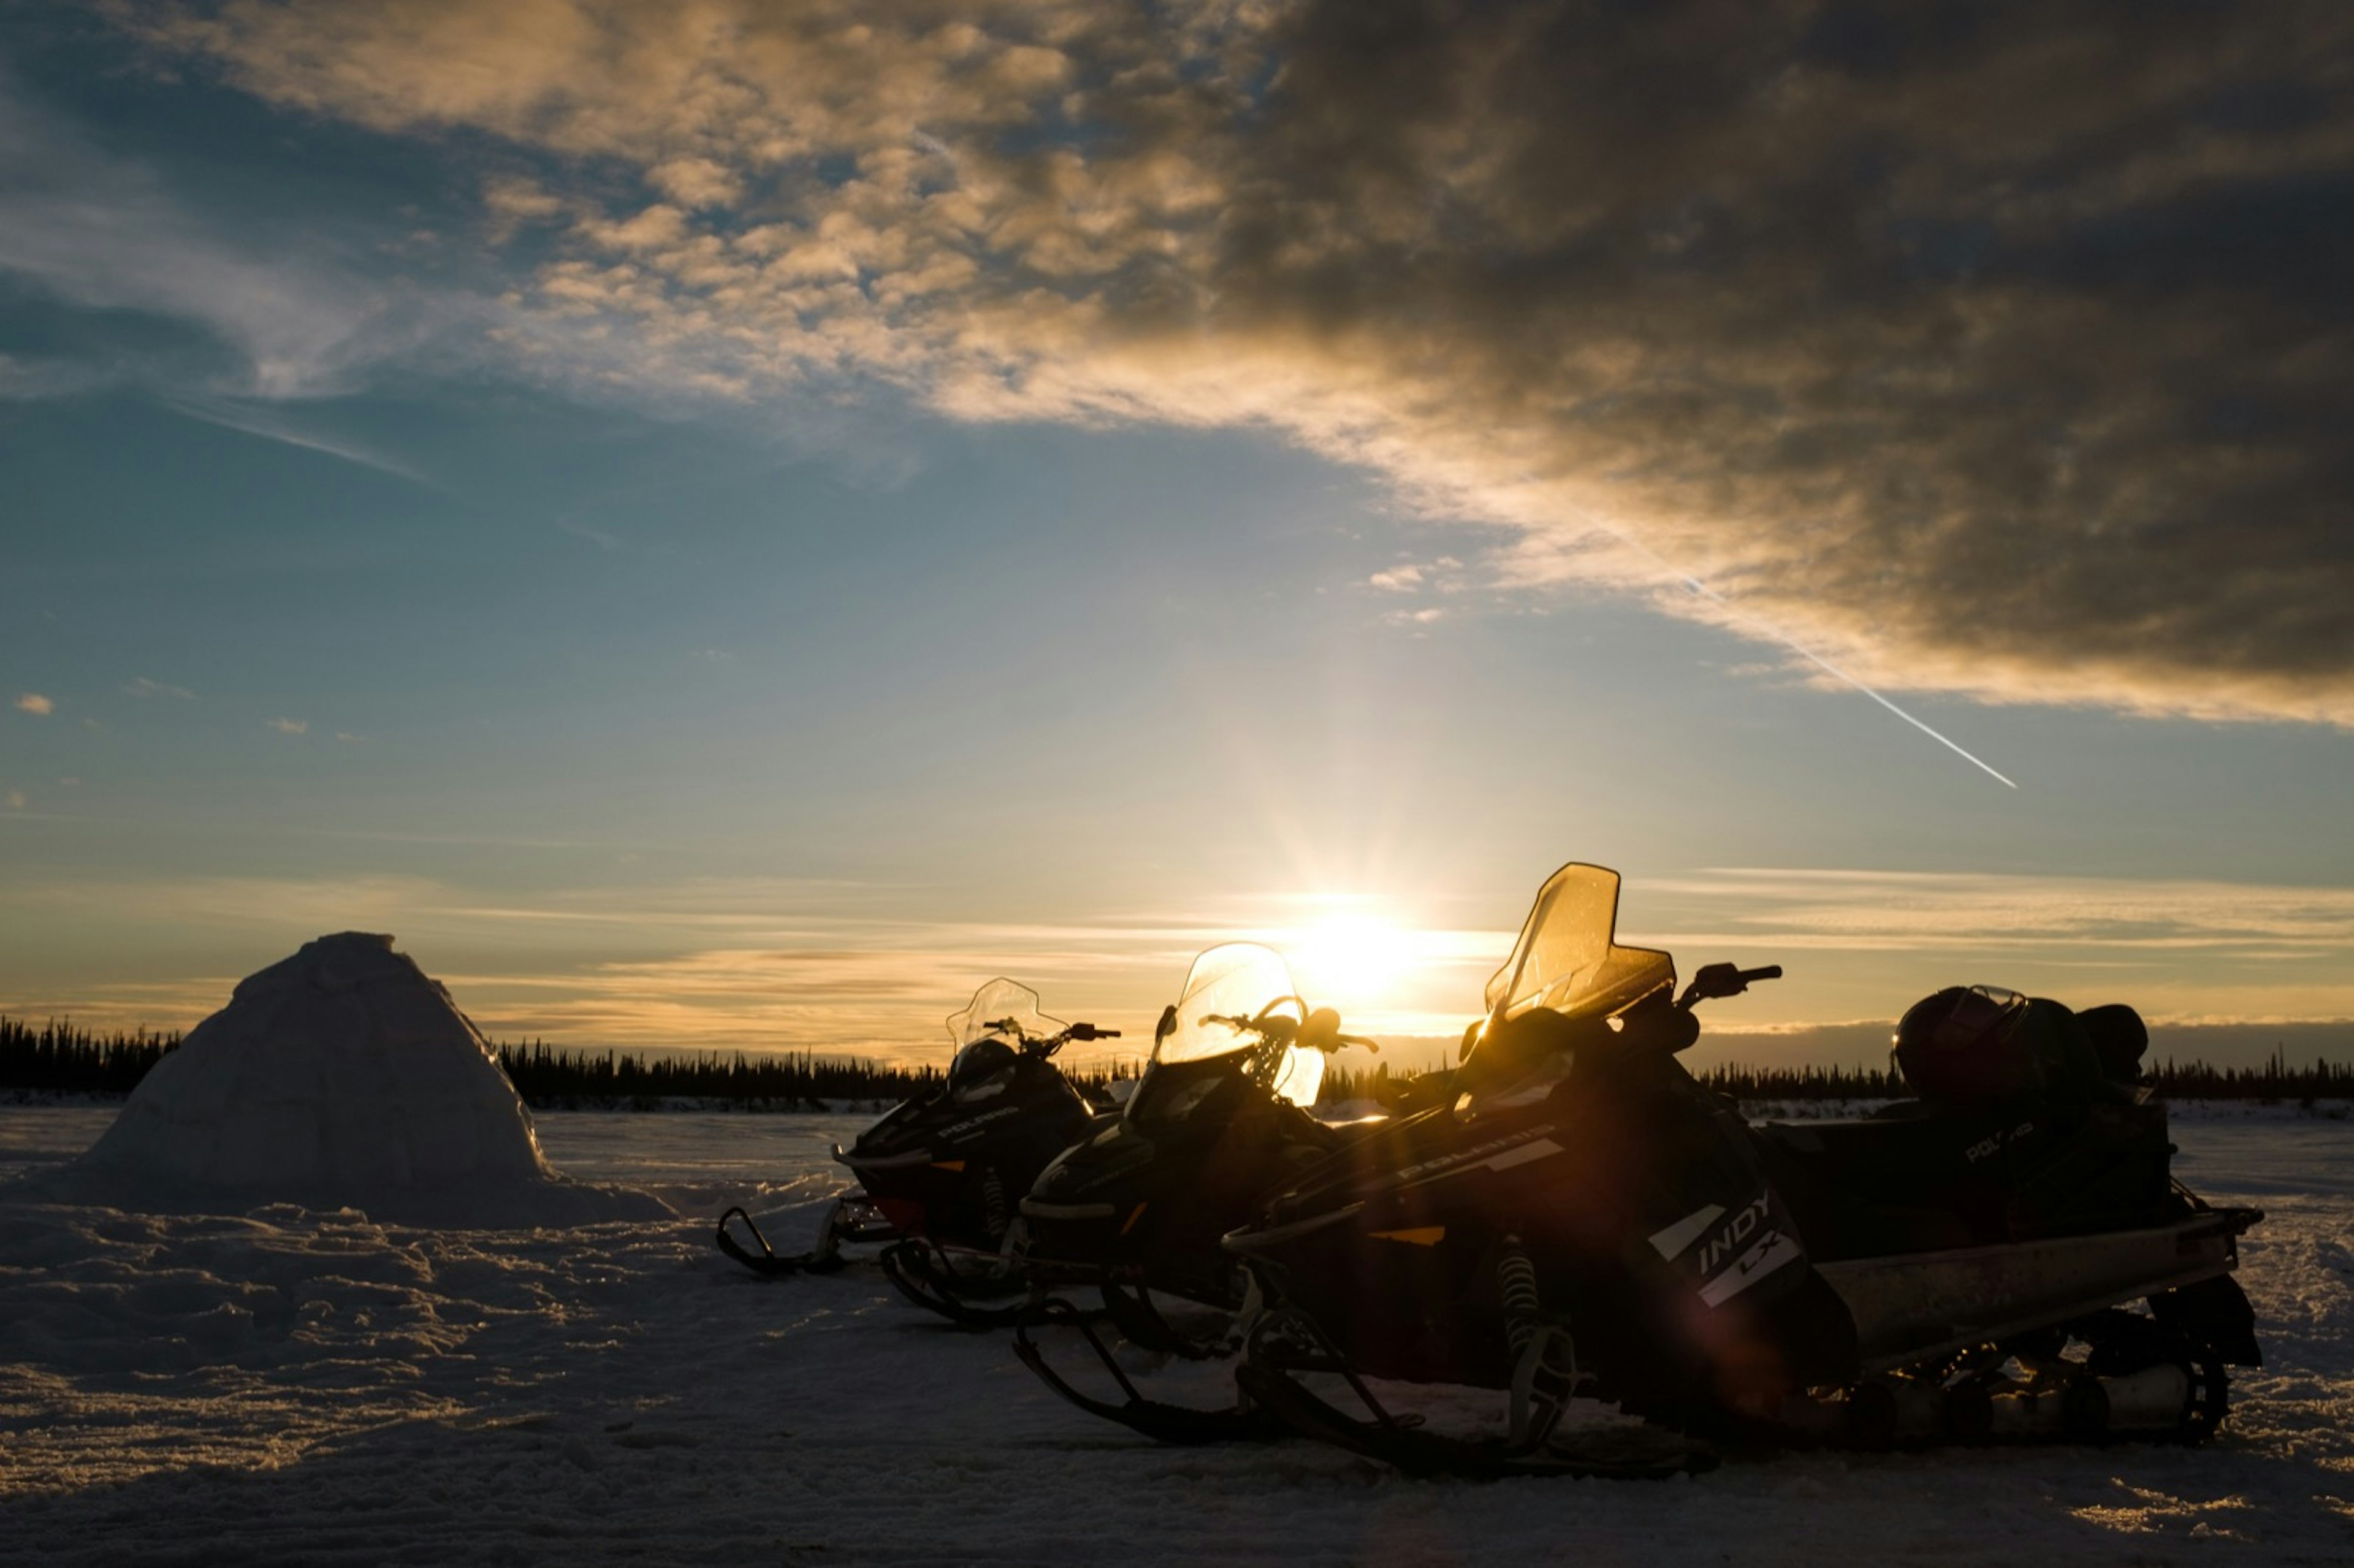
(101, 232)
(1950, 911)
(37, 705)
(290, 726)
(2180, 949)
(29, 380)
(773, 963)
(719, 963)
(1999, 349)
(142, 687)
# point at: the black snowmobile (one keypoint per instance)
(1587, 1219)
(1136, 1212)
(939, 1175)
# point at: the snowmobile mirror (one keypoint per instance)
(1472, 1033)
(1167, 1026)
(1322, 1031)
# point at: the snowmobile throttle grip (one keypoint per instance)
(1713, 980)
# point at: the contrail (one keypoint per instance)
(252, 421)
(1804, 651)
(1783, 638)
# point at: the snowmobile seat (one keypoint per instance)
(1921, 1178)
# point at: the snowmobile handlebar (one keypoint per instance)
(1713, 981)
(1047, 1044)
(1321, 1029)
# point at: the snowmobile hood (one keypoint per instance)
(1103, 1167)
(1365, 1167)
(943, 1125)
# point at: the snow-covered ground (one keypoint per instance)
(291, 1387)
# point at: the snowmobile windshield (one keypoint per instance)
(1566, 959)
(988, 1035)
(1300, 1076)
(1242, 980)
(1005, 1009)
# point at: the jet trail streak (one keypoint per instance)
(1783, 638)
(1808, 653)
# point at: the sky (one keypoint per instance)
(726, 526)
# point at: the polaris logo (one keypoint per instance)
(1993, 1142)
(1526, 1145)
(948, 1132)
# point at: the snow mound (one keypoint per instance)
(340, 1077)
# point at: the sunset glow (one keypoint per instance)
(722, 536)
(1354, 960)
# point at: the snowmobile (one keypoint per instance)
(1139, 1211)
(938, 1175)
(1587, 1220)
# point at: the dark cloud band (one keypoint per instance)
(1998, 347)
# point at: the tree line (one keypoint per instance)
(58, 1057)
(2277, 1079)
(794, 1078)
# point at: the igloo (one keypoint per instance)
(342, 1075)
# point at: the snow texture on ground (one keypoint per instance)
(285, 1386)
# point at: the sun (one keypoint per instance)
(1351, 959)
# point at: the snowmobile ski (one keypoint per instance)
(1177, 1425)
(928, 1275)
(824, 1259)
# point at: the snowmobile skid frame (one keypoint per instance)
(2158, 1378)
(1175, 1425)
(1287, 1342)
(1936, 1376)
(2138, 1380)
